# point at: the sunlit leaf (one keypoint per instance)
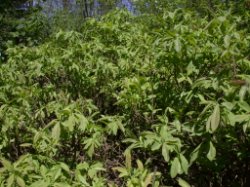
(56, 131)
(11, 180)
(177, 45)
(165, 152)
(212, 152)
(184, 164)
(175, 167)
(7, 164)
(213, 120)
(20, 182)
(183, 183)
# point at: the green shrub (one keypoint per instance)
(129, 101)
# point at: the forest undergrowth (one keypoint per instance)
(127, 100)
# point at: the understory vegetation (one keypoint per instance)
(137, 101)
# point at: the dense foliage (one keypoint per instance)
(137, 101)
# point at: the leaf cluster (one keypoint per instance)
(129, 101)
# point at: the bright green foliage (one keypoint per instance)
(21, 29)
(139, 176)
(129, 101)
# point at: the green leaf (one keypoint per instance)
(242, 118)
(156, 146)
(43, 171)
(175, 167)
(113, 126)
(183, 183)
(123, 171)
(228, 105)
(7, 164)
(177, 45)
(121, 127)
(184, 163)
(91, 150)
(148, 180)
(128, 159)
(227, 41)
(83, 122)
(20, 181)
(213, 120)
(191, 68)
(194, 155)
(70, 123)
(81, 179)
(57, 173)
(11, 180)
(140, 165)
(243, 92)
(56, 131)
(61, 184)
(244, 105)
(83, 166)
(92, 171)
(165, 152)
(65, 167)
(246, 126)
(26, 145)
(212, 152)
(40, 183)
